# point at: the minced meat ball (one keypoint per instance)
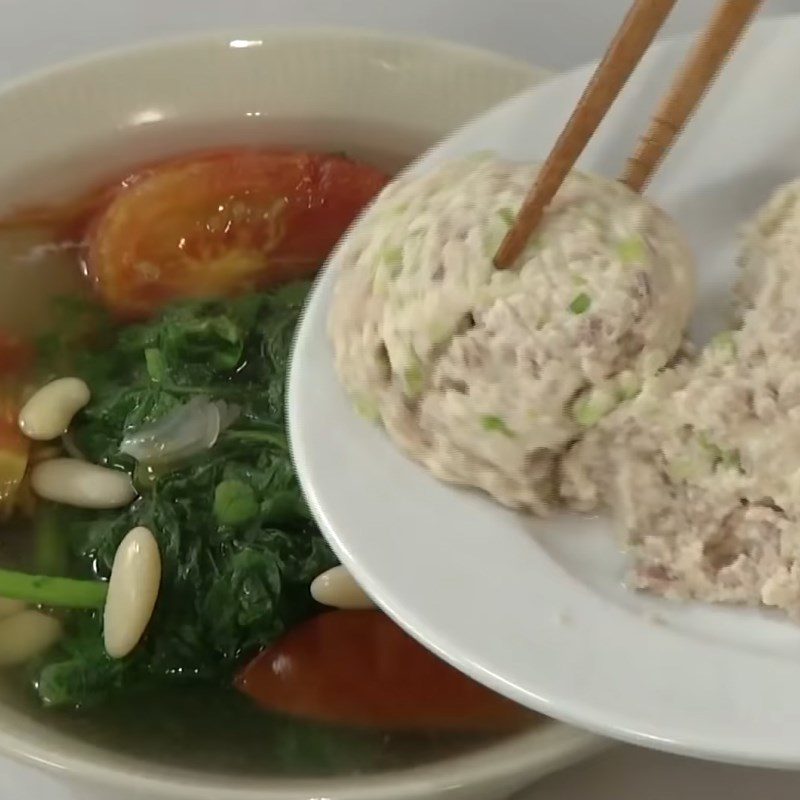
(485, 375)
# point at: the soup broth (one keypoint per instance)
(217, 730)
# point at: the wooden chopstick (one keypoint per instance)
(638, 29)
(695, 76)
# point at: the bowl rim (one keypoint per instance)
(521, 758)
(261, 35)
(525, 754)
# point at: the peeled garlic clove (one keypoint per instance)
(79, 483)
(49, 412)
(132, 591)
(25, 635)
(337, 588)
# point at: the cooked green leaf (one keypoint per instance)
(237, 542)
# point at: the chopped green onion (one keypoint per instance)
(367, 408)
(495, 424)
(632, 251)
(580, 303)
(234, 503)
(706, 443)
(719, 457)
(154, 361)
(507, 215)
(390, 265)
(628, 386)
(414, 380)
(393, 258)
(592, 406)
(587, 413)
(725, 342)
(731, 459)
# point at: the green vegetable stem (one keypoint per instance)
(46, 591)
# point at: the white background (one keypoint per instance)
(552, 33)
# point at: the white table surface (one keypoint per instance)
(553, 33)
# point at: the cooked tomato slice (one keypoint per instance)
(358, 668)
(222, 223)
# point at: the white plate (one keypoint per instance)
(535, 609)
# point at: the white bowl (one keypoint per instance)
(379, 97)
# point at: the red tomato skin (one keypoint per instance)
(296, 206)
(358, 668)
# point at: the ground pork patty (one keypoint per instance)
(770, 246)
(703, 467)
(485, 376)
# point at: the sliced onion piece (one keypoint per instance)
(185, 431)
